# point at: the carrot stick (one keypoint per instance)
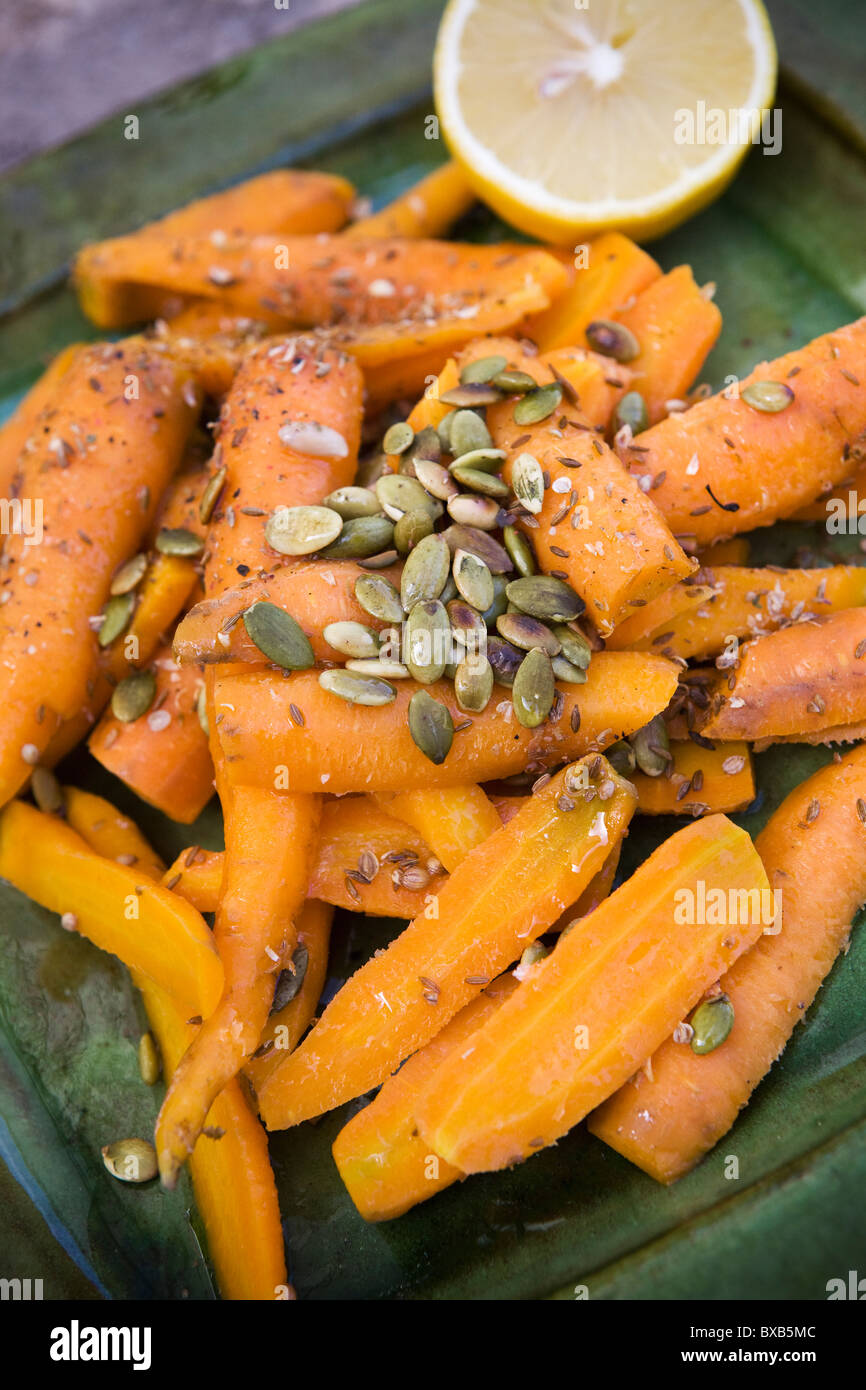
(592, 384)
(589, 1015)
(109, 833)
(759, 465)
(287, 200)
(676, 325)
(673, 1113)
(698, 618)
(287, 1025)
(383, 1161)
(427, 209)
(452, 820)
(699, 781)
(617, 270)
(735, 551)
(840, 505)
(17, 433)
(135, 411)
(505, 893)
(338, 748)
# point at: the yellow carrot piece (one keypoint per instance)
(699, 781)
(110, 833)
(452, 820)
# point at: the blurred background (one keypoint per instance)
(65, 64)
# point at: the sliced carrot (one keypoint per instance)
(287, 1025)
(676, 325)
(842, 505)
(616, 270)
(17, 433)
(502, 896)
(196, 876)
(812, 848)
(735, 551)
(338, 747)
(699, 781)
(591, 384)
(589, 1015)
(452, 820)
(759, 465)
(427, 209)
(108, 832)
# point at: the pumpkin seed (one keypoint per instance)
(712, 1021)
(361, 538)
(410, 529)
(473, 579)
(148, 1060)
(631, 410)
(427, 644)
(177, 540)
(425, 571)
(46, 790)
(485, 460)
(289, 981)
(378, 597)
(357, 689)
(564, 671)
(469, 433)
(534, 689)
(612, 340)
(575, 647)
(488, 484)
(520, 550)
(399, 494)
(471, 393)
(467, 625)
(650, 745)
(378, 562)
(514, 383)
(537, 404)
(351, 502)
(208, 499)
(621, 758)
(371, 467)
(115, 618)
(483, 369)
(351, 639)
(542, 596)
(131, 1160)
(386, 668)
(504, 659)
(499, 604)
(129, 576)
(527, 633)
(302, 530)
(431, 726)
(133, 696)
(768, 396)
(201, 710)
(443, 430)
(398, 438)
(473, 684)
(310, 438)
(426, 446)
(278, 637)
(435, 479)
(527, 480)
(478, 543)
(468, 509)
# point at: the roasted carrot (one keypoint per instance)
(502, 896)
(840, 506)
(287, 1024)
(676, 324)
(699, 781)
(427, 209)
(726, 465)
(614, 272)
(674, 1111)
(590, 1014)
(338, 748)
(17, 433)
(735, 551)
(109, 833)
(591, 384)
(452, 820)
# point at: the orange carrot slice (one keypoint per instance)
(16, 433)
(427, 209)
(108, 832)
(699, 781)
(616, 270)
(452, 820)
(676, 325)
(287, 1025)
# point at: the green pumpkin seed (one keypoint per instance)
(483, 369)
(148, 1060)
(488, 484)
(514, 383)
(115, 619)
(478, 543)
(537, 404)
(176, 540)
(410, 529)
(534, 689)
(435, 479)
(133, 696)
(468, 509)
(399, 494)
(425, 572)
(378, 597)
(278, 637)
(427, 644)
(371, 467)
(351, 639)
(527, 633)
(545, 597)
(504, 659)
(378, 562)
(425, 448)
(201, 710)
(651, 747)
(302, 530)
(431, 726)
(467, 625)
(564, 671)
(289, 981)
(398, 438)
(612, 340)
(768, 396)
(443, 430)
(471, 393)
(208, 499)
(527, 480)
(129, 576)
(385, 668)
(499, 604)
(46, 790)
(621, 758)
(352, 502)
(131, 1160)
(473, 579)
(357, 689)
(361, 539)
(712, 1021)
(575, 647)
(520, 550)
(631, 410)
(469, 433)
(483, 460)
(473, 684)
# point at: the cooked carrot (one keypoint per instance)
(676, 325)
(502, 896)
(291, 201)
(698, 618)
(800, 680)
(735, 551)
(840, 505)
(452, 820)
(592, 385)
(211, 341)
(383, 1161)
(590, 1014)
(196, 876)
(114, 905)
(616, 271)
(17, 433)
(699, 781)
(109, 833)
(287, 1025)
(427, 209)
(338, 748)
(812, 848)
(134, 411)
(759, 465)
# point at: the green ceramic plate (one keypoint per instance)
(786, 249)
